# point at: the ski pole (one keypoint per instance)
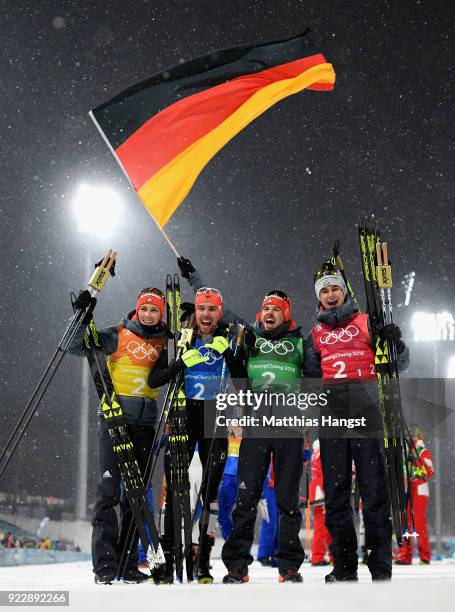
(96, 284)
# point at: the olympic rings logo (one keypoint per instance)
(213, 356)
(342, 334)
(280, 348)
(141, 352)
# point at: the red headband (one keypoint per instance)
(203, 297)
(282, 303)
(150, 298)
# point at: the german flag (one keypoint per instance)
(164, 130)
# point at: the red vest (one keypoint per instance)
(346, 351)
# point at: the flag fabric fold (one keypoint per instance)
(164, 130)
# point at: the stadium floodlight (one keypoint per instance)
(431, 326)
(97, 209)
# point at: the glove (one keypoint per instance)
(186, 267)
(391, 332)
(193, 357)
(219, 344)
(306, 455)
(83, 300)
(187, 309)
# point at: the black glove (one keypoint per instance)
(187, 309)
(391, 332)
(186, 267)
(83, 300)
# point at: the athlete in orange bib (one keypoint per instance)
(133, 348)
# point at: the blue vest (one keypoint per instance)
(202, 381)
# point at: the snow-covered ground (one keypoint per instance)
(431, 588)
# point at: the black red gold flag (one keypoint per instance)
(165, 129)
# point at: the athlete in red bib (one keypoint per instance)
(339, 350)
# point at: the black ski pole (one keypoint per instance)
(96, 283)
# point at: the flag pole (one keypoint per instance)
(166, 237)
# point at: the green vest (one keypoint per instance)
(276, 365)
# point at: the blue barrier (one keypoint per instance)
(32, 556)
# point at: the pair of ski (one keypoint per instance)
(175, 423)
(377, 274)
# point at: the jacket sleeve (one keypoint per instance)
(108, 338)
(312, 360)
(162, 373)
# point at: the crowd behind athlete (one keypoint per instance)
(421, 470)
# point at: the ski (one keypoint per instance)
(179, 484)
(377, 275)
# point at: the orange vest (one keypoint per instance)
(132, 363)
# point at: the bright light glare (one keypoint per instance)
(97, 210)
(451, 368)
(433, 326)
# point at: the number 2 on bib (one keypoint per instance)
(341, 368)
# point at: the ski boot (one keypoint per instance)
(105, 577)
(289, 575)
(341, 577)
(202, 565)
(381, 577)
(134, 576)
(164, 574)
(236, 576)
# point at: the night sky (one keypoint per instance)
(263, 214)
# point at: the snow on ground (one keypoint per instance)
(414, 587)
